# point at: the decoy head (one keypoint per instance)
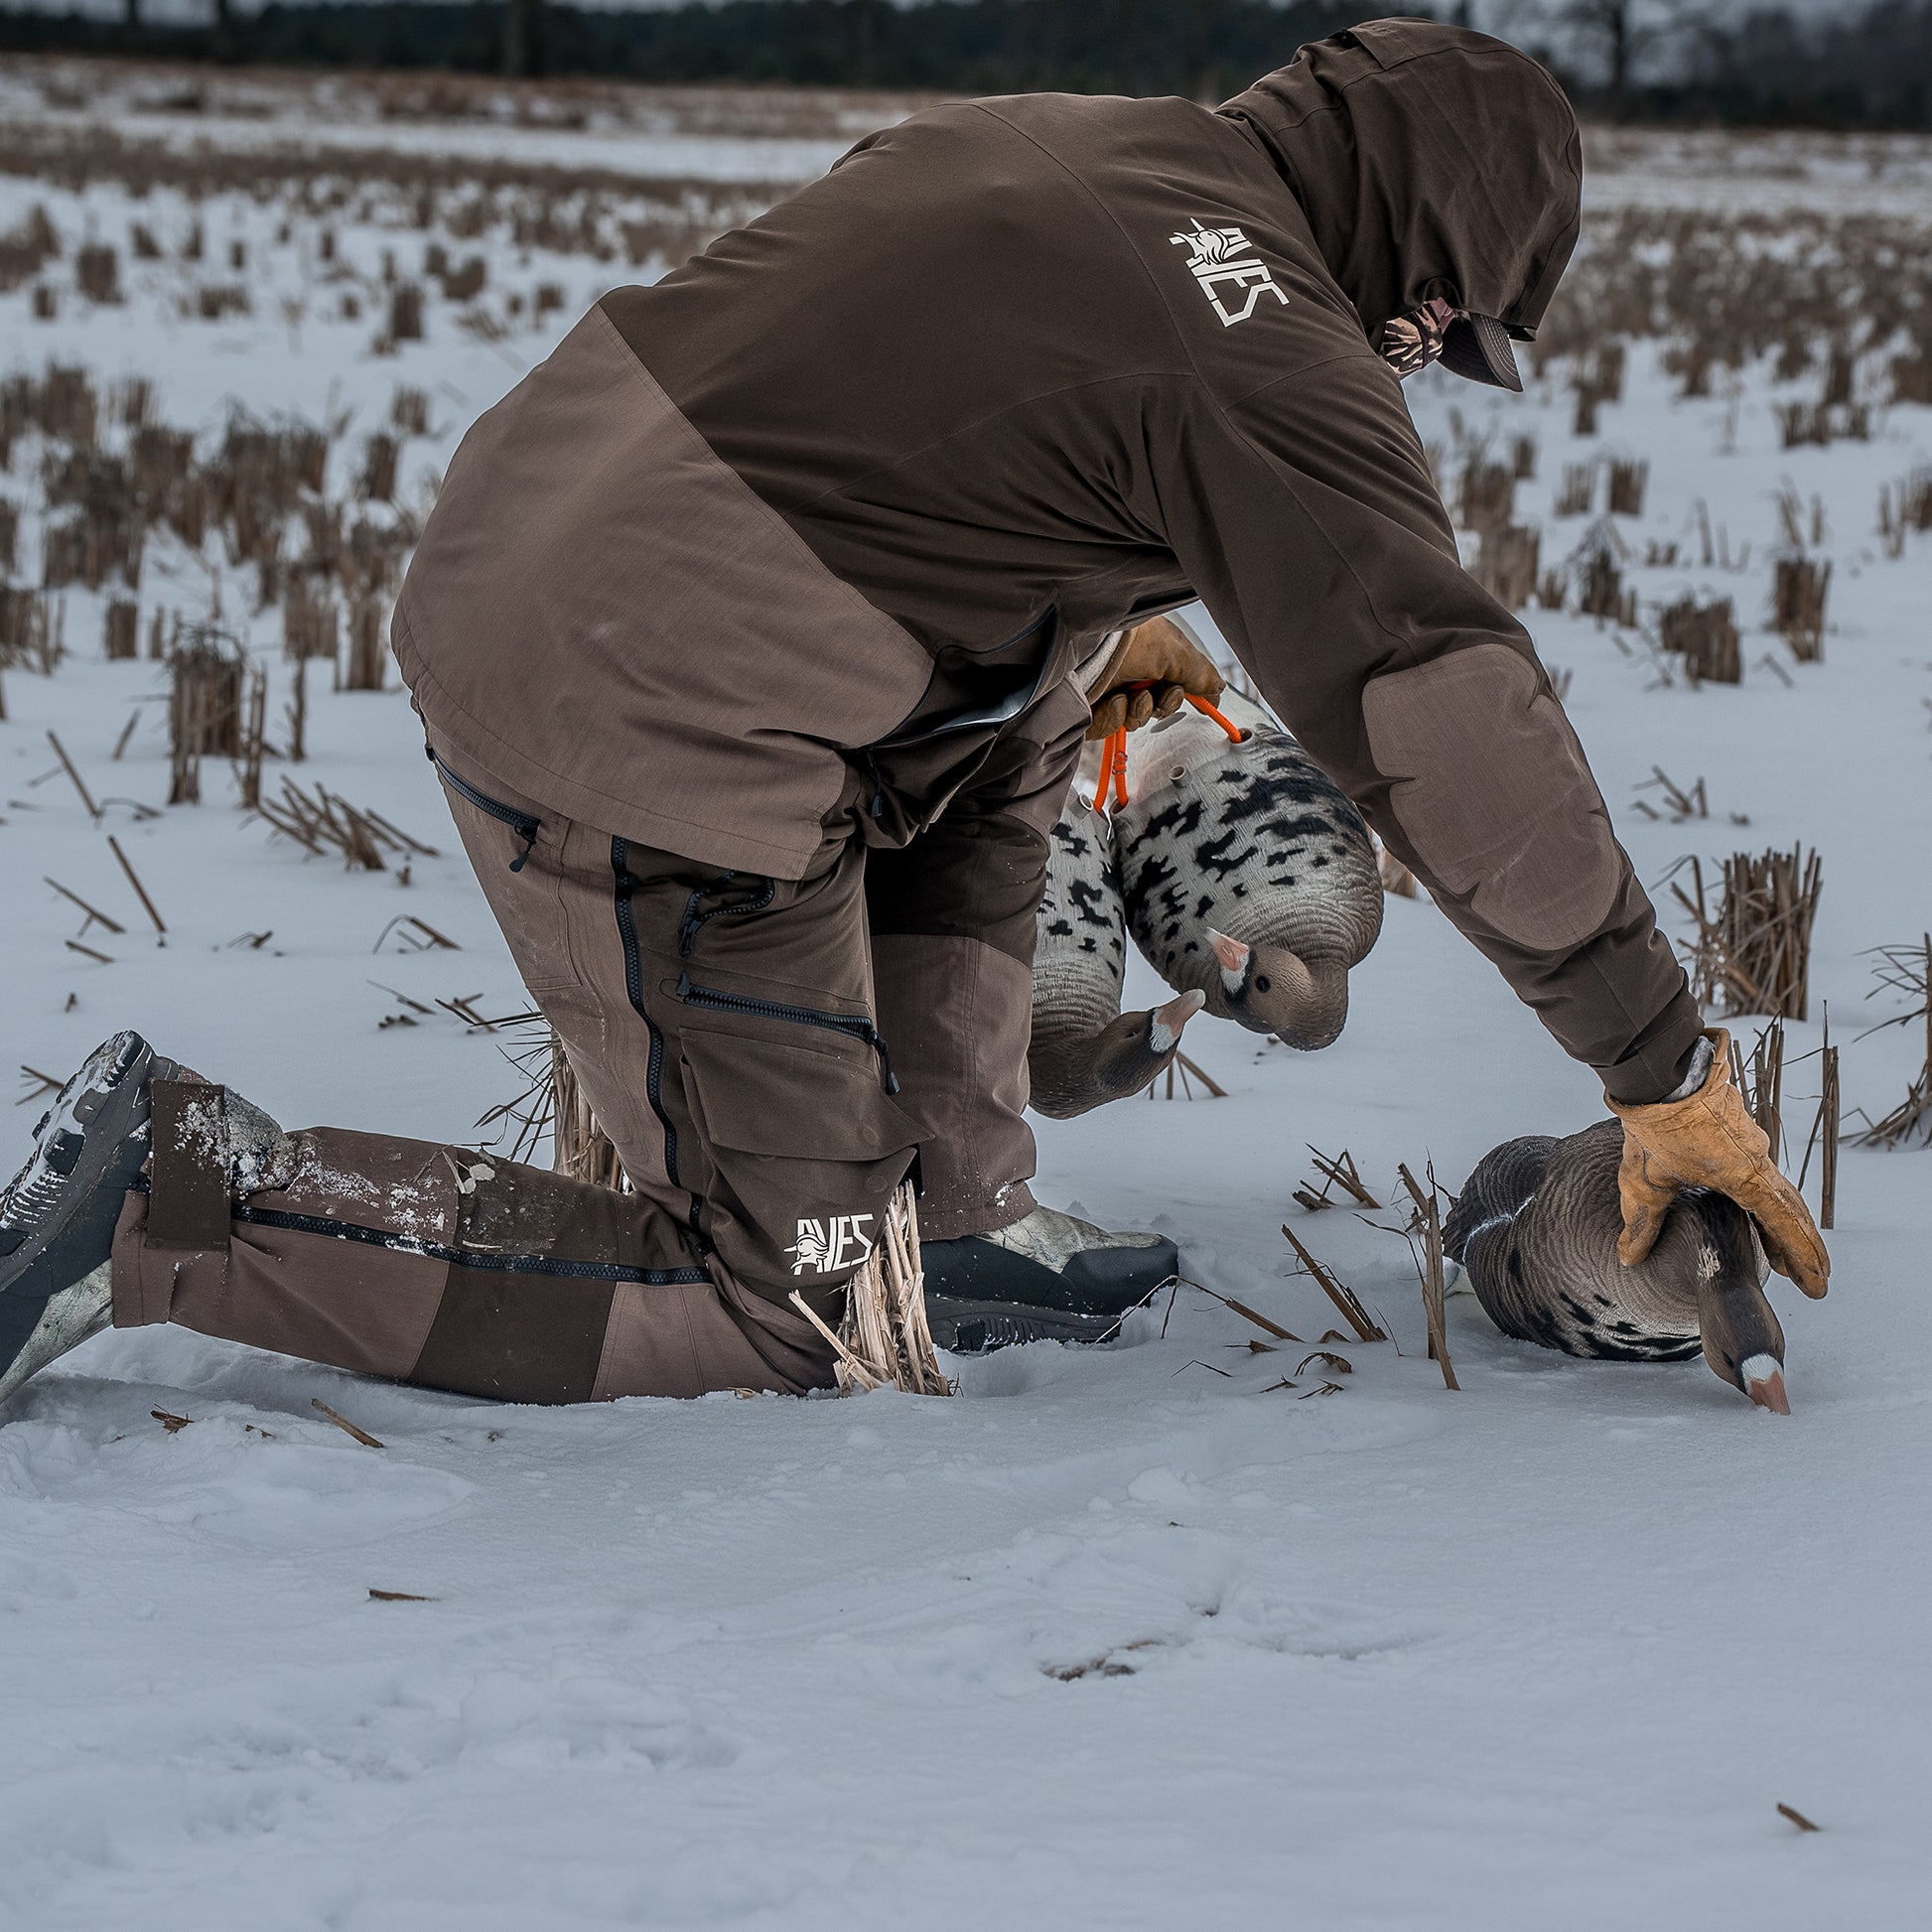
(1072, 1076)
(1303, 1003)
(1743, 1340)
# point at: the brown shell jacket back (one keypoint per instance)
(794, 538)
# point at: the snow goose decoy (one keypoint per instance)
(1248, 876)
(1084, 1050)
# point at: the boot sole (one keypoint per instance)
(980, 1295)
(67, 1321)
(89, 1150)
(1097, 1281)
(967, 1327)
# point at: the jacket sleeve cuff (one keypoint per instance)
(1661, 1060)
(1092, 674)
(1701, 1057)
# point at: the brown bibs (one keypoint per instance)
(726, 1031)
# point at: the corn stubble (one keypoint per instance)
(1752, 952)
(1705, 637)
(1907, 970)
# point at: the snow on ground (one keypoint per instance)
(649, 154)
(1122, 1638)
(1746, 172)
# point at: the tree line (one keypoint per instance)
(1864, 69)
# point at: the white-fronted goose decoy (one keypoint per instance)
(1536, 1229)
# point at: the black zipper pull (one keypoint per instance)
(890, 1079)
(523, 859)
(878, 807)
(687, 930)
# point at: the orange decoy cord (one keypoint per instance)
(1113, 752)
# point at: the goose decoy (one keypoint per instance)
(1536, 1229)
(1084, 1050)
(1247, 874)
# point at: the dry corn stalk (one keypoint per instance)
(1908, 970)
(1338, 1292)
(552, 1103)
(1578, 488)
(121, 629)
(1755, 951)
(1760, 1081)
(1598, 568)
(1798, 600)
(1487, 495)
(1629, 477)
(578, 1145)
(1426, 1241)
(1824, 1132)
(1706, 637)
(1902, 507)
(31, 628)
(1189, 1071)
(203, 707)
(378, 483)
(1681, 805)
(253, 739)
(326, 822)
(884, 1341)
(1508, 563)
(309, 618)
(1337, 1170)
(369, 653)
(409, 411)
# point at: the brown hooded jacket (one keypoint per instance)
(799, 531)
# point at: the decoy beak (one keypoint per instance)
(1764, 1377)
(1270, 990)
(1233, 957)
(1072, 1074)
(1164, 1023)
(1743, 1341)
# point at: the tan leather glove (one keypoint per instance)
(1709, 1141)
(1158, 654)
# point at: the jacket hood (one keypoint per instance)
(1430, 161)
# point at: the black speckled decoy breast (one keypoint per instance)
(1246, 872)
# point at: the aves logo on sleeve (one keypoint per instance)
(1224, 263)
(824, 1247)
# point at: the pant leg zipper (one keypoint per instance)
(522, 823)
(832, 1023)
(633, 983)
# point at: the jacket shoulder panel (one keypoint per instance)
(608, 616)
(1218, 237)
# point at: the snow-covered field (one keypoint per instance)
(1123, 1637)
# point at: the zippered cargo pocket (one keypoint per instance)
(803, 1149)
(523, 824)
(853, 1026)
